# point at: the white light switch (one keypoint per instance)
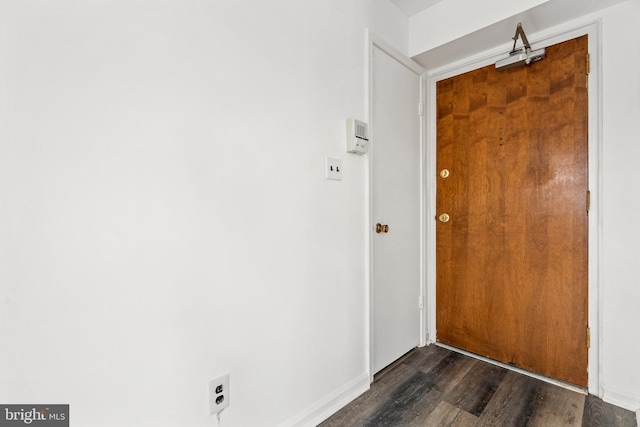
(334, 169)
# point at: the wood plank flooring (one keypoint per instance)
(434, 386)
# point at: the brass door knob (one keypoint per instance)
(382, 228)
(444, 173)
(444, 217)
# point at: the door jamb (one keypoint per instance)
(558, 34)
(375, 41)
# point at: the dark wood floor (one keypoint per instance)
(434, 386)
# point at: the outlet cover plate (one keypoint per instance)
(218, 394)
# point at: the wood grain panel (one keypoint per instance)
(600, 414)
(515, 402)
(476, 388)
(512, 265)
(557, 407)
(434, 386)
(447, 415)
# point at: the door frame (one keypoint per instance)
(548, 37)
(375, 41)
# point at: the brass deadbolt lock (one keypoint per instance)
(444, 173)
(444, 217)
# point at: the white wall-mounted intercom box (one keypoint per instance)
(357, 137)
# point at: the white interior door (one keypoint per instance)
(396, 159)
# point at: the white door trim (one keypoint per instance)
(545, 38)
(375, 41)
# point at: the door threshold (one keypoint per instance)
(540, 377)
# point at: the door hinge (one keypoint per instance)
(588, 64)
(588, 200)
(588, 337)
(420, 302)
(421, 109)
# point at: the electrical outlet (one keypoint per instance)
(334, 169)
(218, 394)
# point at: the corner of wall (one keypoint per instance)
(330, 404)
(621, 398)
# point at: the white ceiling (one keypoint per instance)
(411, 7)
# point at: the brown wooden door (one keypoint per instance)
(512, 259)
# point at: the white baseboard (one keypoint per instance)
(621, 399)
(330, 404)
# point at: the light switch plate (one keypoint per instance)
(333, 169)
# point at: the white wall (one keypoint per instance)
(620, 245)
(164, 216)
(450, 19)
(621, 212)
